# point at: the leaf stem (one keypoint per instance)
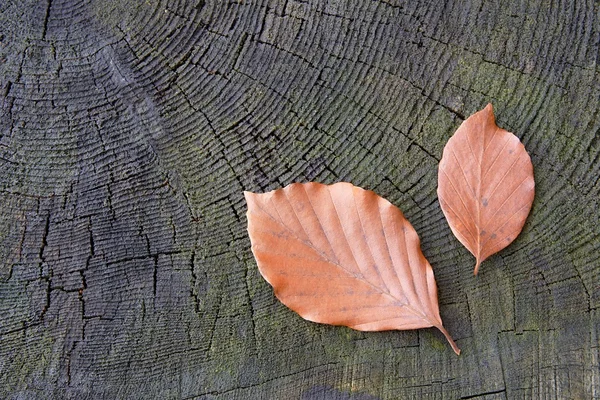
(449, 339)
(477, 266)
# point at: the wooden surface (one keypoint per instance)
(129, 130)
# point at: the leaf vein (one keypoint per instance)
(506, 222)
(496, 158)
(463, 173)
(506, 199)
(362, 228)
(387, 246)
(463, 203)
(503, 177)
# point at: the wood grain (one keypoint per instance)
(130, 129)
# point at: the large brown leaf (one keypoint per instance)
(342, 255)
(485, 185)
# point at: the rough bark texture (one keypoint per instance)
(129, 129)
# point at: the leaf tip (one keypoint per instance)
(488, 112)
(248, 195)
(251, 203)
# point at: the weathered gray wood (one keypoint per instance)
(129, 129)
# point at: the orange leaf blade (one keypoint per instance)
(342, 255)
(485, 185)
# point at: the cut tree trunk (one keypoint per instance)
(130, 129)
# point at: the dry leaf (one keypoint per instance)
(342, 255)
(485, 185)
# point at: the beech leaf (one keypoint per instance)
(485, 185)
(341, 255)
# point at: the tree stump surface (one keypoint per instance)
(130, 129)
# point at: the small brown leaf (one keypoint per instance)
(342, 255)
(485, 185)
